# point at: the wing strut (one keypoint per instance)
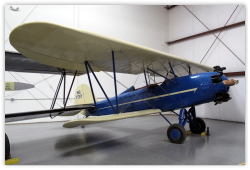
(173, 72)
(145, 78)
(91, 87)
(161, 75)
(64, 86)
(113, 60)
(189, 70)
(70, 89)
(88, 65)
(57, 91)
(63, 78)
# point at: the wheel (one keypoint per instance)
(200, 126)
(7, 147)
(176, 133)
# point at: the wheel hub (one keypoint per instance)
(175, 134)
(197, 126)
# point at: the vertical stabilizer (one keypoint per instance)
(83, 95)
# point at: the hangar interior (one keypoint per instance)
(208, 34)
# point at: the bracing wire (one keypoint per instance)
(13, 76)
(17, 92)
(38, 89)
(168, 93)
(29, 92)
(36, 99)
(116, 79)
(217, 37)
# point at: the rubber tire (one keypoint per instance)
(7, 147)
(201, 126)
(180, 130)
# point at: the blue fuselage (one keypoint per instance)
(190, 91)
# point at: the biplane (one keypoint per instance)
(186, 83)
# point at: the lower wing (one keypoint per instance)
(99, 119)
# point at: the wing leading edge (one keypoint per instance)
(69, 48)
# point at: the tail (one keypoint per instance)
(83, 95)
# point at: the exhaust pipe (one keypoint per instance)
(217, 78)
(221, 97)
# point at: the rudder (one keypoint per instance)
(83, 95)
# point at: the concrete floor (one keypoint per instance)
(134, 141)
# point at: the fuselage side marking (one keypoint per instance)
(155, 97)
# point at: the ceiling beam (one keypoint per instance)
(240, 73)
(206, 32)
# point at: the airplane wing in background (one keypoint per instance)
(11, 117)
(18, 63)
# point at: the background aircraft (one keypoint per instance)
(13, 86)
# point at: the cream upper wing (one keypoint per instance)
(69, 48)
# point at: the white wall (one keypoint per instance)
(182, 24)
(144, 25)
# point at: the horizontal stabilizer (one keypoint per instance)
(99, 119)
(83, 112)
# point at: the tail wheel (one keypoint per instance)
(199, 127)
(176, 133)
(7, 147)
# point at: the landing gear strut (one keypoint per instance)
(198, 127)
(176, 132)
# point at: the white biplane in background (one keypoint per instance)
(186, 84)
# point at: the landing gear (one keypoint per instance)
(7, 147)
(176, 133)
(197, 126)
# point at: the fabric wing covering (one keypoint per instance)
(69, 48)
